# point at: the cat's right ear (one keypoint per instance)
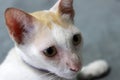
(19, 23)
(65, 9)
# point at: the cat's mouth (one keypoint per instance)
(66, 74)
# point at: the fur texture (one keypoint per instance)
(35, 33)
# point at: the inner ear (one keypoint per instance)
(19, 24)
(65, 9)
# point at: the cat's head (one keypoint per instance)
(47, 39)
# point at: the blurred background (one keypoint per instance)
(98, 20)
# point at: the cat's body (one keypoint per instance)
(47, 46)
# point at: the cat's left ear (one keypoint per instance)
(65, 9)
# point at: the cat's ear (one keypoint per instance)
(64, 8)
(19, 23)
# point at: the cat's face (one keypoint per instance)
(47, 39)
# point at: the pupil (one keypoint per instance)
(75, 38)
(50, 50)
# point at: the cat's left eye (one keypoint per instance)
(50, 52)
(76, 40)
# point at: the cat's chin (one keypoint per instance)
(67, 75)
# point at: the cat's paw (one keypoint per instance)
(94, 69)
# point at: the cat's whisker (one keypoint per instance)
(53, 77)
(46, 74)
(57, 78)
(60, 79)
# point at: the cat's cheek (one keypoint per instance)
(54, 61)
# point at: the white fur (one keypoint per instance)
(13, 65)
(16, 66)
(15, 69)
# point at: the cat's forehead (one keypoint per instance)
(61, 33)
(54, 23)
(58, 36)
(47, 18)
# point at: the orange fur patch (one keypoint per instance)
(47, 18)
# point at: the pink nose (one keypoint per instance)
(74, 67)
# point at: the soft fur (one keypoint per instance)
(37, 31)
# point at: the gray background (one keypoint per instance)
(98, 20)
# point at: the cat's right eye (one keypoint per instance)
(50, 52)
(76, 40)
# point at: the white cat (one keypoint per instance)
(47, 46)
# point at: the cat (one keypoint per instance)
(47, 46)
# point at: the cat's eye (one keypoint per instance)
(76, 40)
(50, 52)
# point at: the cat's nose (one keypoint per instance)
(74, 68)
